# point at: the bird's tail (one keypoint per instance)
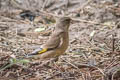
(36, 52)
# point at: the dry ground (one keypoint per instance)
(94, 49)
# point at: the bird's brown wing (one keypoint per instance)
(53, 42)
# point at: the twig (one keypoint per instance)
(16, 4)
(111, 64)
(44, 4)
(111, 72)
(74, 67)
(74, 19)
(70, 64)
(88, 66)
(85, 4)
(7, 65)
(113, 43)
(91, 22)
(100, 71)
(118, 69)
(52, 76)
(6, 39)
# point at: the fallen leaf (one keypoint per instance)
(39, 29)
(92, 33)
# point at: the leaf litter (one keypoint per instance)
(93, 52)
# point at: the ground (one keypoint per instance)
(94, 50)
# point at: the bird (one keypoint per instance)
(57, 43)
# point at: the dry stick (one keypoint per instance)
(16, 4)
(91, 22)
(74, 19)
(100, 71)
(44, 4)
(7, 19)
(112, 71)
(113, 43)
(85, 4)
(6, 39)
(70, 64)
(115, 73)
(3, 23)
(113, 60)
(74, 67)
(52, 76)
(87, 66)
(54, 15)
(60, 70)
(89, 74)
(11, 20)
(110, 64)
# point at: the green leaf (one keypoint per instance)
(24, 61)
(12, 60)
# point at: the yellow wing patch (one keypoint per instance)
(42, 51)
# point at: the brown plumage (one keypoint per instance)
(57, 43)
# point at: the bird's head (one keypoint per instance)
(63, 23)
